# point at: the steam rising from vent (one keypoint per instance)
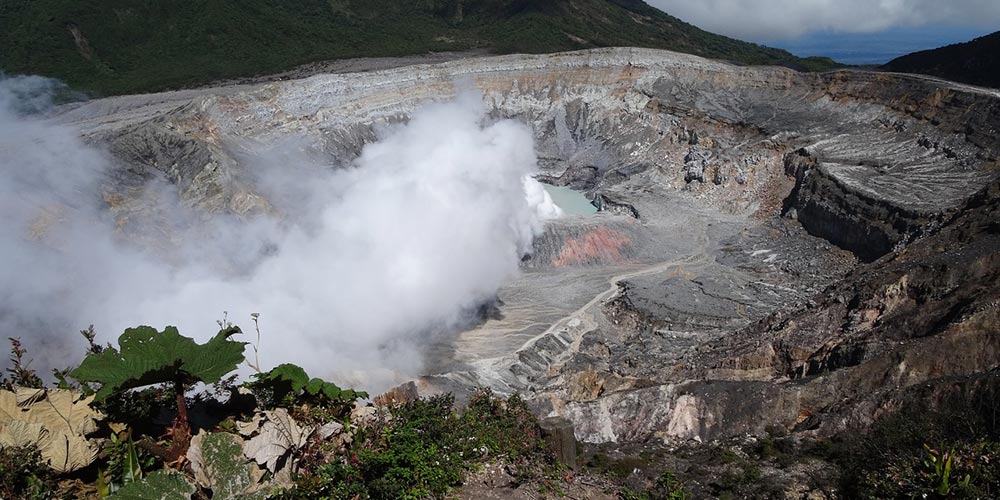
(368, 262)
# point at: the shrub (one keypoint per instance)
(423, 448)
(20, 370)
(23, 474)
(938, 446)
(970, 470)
(667, 487)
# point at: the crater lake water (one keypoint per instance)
(571, 202)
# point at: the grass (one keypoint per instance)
(126, 46)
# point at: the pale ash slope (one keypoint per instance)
(740, 178)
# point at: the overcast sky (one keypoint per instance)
(764, 20)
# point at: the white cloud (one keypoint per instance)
(781, 19)
(426, 225)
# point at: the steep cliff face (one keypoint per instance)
(719, 290)
(924, 315)
(875, 195)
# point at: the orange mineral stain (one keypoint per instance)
(597, 245)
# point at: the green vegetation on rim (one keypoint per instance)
(281, 435)
(976, 62)
(125, 46)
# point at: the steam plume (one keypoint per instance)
(424, 226)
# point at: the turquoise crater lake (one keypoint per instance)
(571, 202)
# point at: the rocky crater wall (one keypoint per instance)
(883, 144)
(725, 308)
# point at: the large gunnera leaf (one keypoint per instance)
(275, 435)
(55, 421)
(288, 379)
(283, 380)
(219, 464)
(150, 357)
(159, 485)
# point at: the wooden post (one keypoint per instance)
(558, 435)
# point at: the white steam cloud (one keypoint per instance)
(421, 229)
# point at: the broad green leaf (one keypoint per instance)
(291, 379)
(149, 357)
(159, 485)
(283, 380)
(315, 386)
(332, 391)
(352, 395)
(292, 374)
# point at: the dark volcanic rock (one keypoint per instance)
(606, 204)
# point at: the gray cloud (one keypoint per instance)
(779, 19)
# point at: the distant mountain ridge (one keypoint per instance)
(124, 46)
(976, 62)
